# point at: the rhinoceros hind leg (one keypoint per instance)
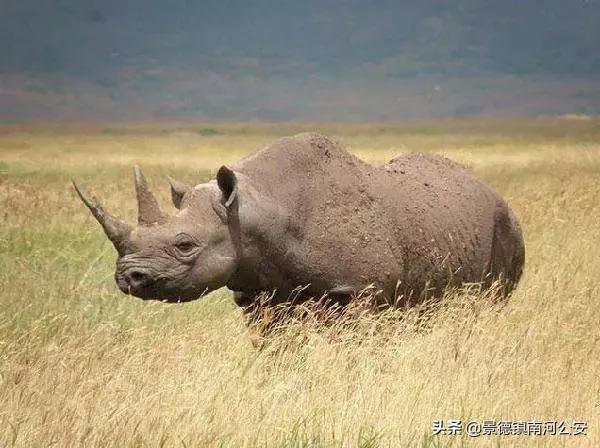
(508, 251)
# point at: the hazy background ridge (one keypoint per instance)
(286, 60)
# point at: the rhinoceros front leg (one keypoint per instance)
(257, 311)
(259, 307)
(242, 299)
(262, 317)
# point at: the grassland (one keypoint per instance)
(83, 365)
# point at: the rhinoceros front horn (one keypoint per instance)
(148, 210)
(116, 230)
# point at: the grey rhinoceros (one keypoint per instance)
(305, 213)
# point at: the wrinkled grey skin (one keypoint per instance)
(303, 212)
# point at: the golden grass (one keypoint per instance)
(83, 365)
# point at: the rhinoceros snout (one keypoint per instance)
(134, 280)
(137, 278)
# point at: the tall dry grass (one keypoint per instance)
(83, 365)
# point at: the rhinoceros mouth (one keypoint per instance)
(158, 291)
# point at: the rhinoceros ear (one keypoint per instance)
(227, 181)
(178, 191)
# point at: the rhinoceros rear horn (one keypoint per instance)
(148, 210)
(178, 191)
(116, 230)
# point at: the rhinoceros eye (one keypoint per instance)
(185, 246)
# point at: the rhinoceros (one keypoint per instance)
(303, 217)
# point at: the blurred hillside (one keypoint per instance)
(288, 60)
